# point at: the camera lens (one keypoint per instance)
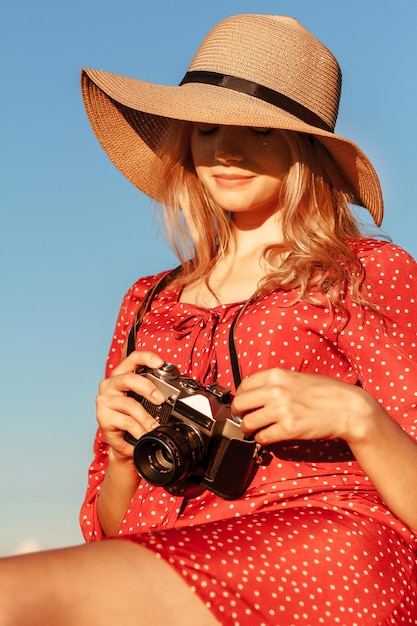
(168, 454)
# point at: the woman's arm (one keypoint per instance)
(110, 474)
(382, 348)
(377, 419)
(277, 405)
(119, 486)
(116, 414)
(389, 457)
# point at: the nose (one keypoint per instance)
(228, 146)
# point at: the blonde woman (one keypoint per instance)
(279, 299)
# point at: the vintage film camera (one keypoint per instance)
(198, 440)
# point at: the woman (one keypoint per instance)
(281, 299)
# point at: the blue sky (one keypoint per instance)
(75, 234)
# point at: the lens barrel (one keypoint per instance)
(169, 453)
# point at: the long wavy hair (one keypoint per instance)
(317, 222)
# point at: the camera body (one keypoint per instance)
(198, 441)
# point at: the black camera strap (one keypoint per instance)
(237, 374)
(145, 305)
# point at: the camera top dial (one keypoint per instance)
(190, 385)
(167, 371)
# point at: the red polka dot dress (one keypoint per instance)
(310, 542)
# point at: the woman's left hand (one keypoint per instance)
(277, 405)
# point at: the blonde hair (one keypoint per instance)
(316, 218)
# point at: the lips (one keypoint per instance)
(232, 180)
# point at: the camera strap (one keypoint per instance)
(145, 305)
(234, 361)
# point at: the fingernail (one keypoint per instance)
(158, 396)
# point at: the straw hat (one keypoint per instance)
(251, 70)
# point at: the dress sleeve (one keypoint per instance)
(381, 344)
(89, 522)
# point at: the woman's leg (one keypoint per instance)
(106, 583)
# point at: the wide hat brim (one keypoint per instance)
(130, 117)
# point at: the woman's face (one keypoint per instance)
(240, 167)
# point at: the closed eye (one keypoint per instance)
(258, 130)
(206, 129)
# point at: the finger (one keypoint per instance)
(253, 399)
(272, 434)
(268, 427)
(128, 423)
(254, 421)
(136, 359)
(121, 412)
(131, 382)
(142, 386)
(273, 376)
(272, 379)
(116, 424)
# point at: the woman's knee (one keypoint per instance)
(110, 582)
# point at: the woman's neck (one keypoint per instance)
(238, 273)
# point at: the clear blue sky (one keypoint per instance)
(75, 234)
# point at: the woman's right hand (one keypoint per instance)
(117, 412)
